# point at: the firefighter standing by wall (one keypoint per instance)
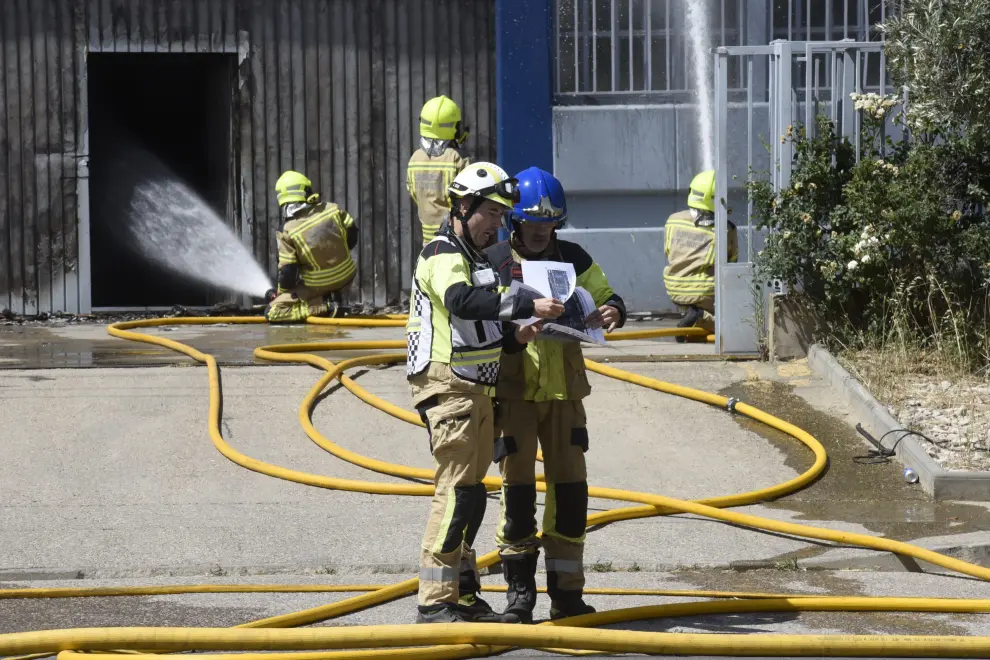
(455, 339)
(539, 399)
(689, 243)
(438, 160)
(314, 252)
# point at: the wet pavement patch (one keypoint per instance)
(854, 488)
(42, 614)
(86, 346)
(815, 583)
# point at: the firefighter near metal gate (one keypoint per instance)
(539, 400)
(689, 244)
(439, 159)
(457, 329)
(314, 253)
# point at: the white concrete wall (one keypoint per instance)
(626, 168)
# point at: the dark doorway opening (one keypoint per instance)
(153, 115)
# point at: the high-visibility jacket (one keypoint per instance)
(317, 243)
(689, 276)
(455, 319)
(427, 180)
(549, 370)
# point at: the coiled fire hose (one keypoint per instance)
(575, 635)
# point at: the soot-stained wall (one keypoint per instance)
(328, 87)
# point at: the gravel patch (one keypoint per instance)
(949, 411)
(955, 417)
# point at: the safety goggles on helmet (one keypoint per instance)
(506, 189)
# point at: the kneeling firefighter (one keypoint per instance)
(689, 243)
(438, 160)
(538, 399)
(455, 337)
(314, 252)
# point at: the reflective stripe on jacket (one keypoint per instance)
(690, 249)
(427, 180)
(550, 370)
(317, 243)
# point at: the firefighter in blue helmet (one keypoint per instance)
(539, 395)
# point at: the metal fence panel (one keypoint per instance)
(626, 49)
(806, 79)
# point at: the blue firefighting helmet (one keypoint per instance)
(541, 199)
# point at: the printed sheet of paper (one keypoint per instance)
(517, 288)
(570, 325)
(554, 279)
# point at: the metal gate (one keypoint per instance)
(803, 80)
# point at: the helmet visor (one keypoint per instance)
(507, 189)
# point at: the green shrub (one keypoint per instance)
(894, 244)
(940, 51)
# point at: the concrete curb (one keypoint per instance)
(938, 482)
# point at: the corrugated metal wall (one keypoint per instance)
(39, 142)
(329, 87)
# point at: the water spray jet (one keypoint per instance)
(175, 228)
(697, 18)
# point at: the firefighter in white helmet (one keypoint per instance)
(438, 160)
(458, 327)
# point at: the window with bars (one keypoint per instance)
(625, 49)
(828, 20)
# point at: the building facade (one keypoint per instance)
(621, 126)
(229, 93)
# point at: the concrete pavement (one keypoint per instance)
(129, 483)
(109, 475)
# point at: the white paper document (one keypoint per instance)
(570, 325)
(554, 279)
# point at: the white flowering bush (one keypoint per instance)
(902, 232)
(897, 243)
(874, 105)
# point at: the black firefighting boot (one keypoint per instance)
(687, 321)
(443, 613)
(520, 575)
(473, 608)
(565, 602)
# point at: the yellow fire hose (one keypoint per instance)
(470, 640)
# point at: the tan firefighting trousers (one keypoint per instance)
(462, 441)
(299, 303)
(560, 429)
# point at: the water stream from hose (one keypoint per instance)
(174, 227)
(697, 13)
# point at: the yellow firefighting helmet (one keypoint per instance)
(293, 187)
(439, 119)
(487, 181)
(702, 195)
